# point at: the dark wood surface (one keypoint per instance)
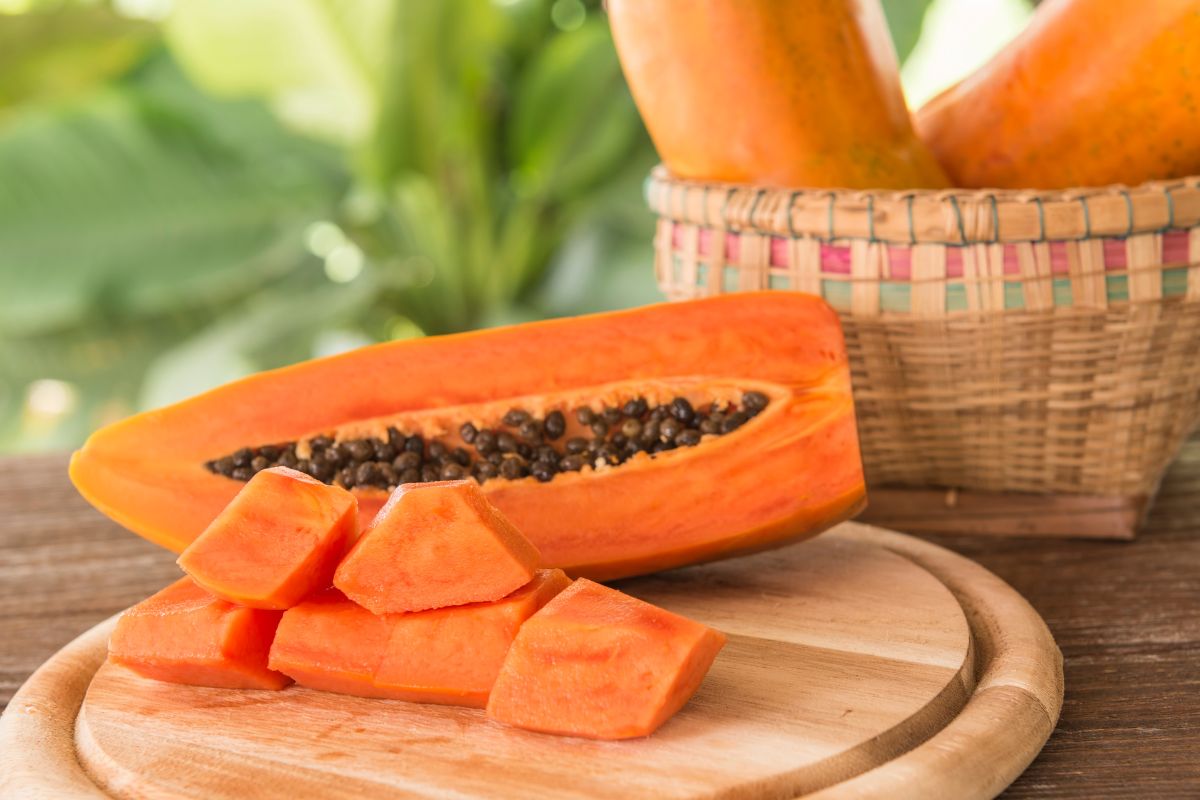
(1126, 615)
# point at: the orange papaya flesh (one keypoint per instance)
(183, 634)
(433, 545)
(452, 655)
(332, 644)
(597, 663)
(449, 656)
(790, 471)
(278, 541)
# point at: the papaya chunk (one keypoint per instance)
(332, 644)
(766, 373)
(434, 545)
(183, 634)
(449, 656)
(278, 541)
(453, 655)
(597, 663)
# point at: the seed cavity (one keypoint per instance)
(521, 446)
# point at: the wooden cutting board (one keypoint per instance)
(864, 663)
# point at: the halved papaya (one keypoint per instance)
(619, 443)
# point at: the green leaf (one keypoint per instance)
(905, 19)
(440, 93)
(573, 120)
(48, 56)
(125, 202)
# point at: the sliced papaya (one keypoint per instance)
(278, 541)
(332, 644)
(597, 663)
(433, 545)
(619, 443)
(183, 634)
(452, 655)
(449, 656)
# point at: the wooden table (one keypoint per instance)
(1126, 615)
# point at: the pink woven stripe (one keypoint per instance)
(835, 259)
(1114, 254)
(1175, 248)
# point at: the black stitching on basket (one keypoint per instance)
(1129, 211)
(1170, 209)
(962, 228)
(912, 233)
(790, 209)
(1087, 218)
(758, 196)
(1041, 219)
(995, 219)
(871, 218)
(832, 200)
(704, 201)
(725, 205)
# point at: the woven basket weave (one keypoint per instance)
(1044, 342)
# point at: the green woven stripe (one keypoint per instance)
(1174, 281)
(1117, 287)
(896, 296)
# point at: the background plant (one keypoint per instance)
(191, 190)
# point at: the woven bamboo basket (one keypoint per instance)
(1023, 362)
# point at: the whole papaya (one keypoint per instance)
(1092, 92)
(782, 92)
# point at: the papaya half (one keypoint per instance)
(779, 92)
(619, 443)
(1092, 92)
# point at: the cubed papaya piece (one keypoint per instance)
(332, 644)
(453, 655)
(278, 541)
(597, 663)
(434, 545)
(183, 634)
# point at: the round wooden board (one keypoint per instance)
(863, 663)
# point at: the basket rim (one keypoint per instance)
(929, 216)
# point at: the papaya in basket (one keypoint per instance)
(1093, 92)
(779, 92)
(618, 443)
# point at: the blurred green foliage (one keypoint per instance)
(242, 185)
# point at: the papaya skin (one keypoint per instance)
(787, 474)
(780, 92)
(1092, 92)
